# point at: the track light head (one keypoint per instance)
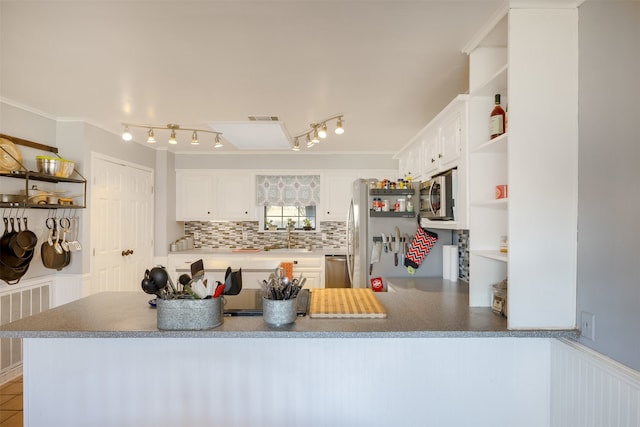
(194, 138)
(172, 138)
(322, 133)
(151, 139)
(218, 144)
(126, 135)
(296, 144)
(339, 129)
(309, 141)
(315, 139)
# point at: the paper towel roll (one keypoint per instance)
(446, 262)
(450, 262)
(453, 259)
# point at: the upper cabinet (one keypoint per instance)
(336, 195)
(203, 195)
(439, 146)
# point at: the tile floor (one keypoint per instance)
(11, 403)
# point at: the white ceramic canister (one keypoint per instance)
(402, 205)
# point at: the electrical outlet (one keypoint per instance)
(588, 325)
(245, 235)
(196, 235)
(324, 236)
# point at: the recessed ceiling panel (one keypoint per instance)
(254, 135)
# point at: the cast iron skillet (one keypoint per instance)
(24, 241)
(51, 258)
(7, 255)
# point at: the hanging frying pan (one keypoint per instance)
(24, 241)
(12, 275)
(7, 256)
(50, 257)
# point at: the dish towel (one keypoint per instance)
(420, 247)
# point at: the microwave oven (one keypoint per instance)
(438, 196)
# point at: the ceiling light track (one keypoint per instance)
(318, 131)
(151, 139)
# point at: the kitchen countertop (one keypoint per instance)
(261, 252)
(417, 308)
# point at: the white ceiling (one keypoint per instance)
(388, 66)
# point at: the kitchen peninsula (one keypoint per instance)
(101, 361)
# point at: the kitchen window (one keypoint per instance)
(288, 199)
(277, 217)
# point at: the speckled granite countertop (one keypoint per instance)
(416, 308)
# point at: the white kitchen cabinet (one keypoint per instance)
(336, 195)
(312, 268)
(410, 160)
(215, 196)
(194, 196)
(444, 139)
(235, 196)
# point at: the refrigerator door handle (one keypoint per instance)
(350, 254)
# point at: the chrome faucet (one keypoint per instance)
(290, 225)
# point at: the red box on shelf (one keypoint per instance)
(502, 191)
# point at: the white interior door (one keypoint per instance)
(122, 225)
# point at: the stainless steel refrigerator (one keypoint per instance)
(364, 228)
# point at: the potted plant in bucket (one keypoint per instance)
(307, 224)
(271, 226)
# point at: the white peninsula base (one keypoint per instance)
(286, 382)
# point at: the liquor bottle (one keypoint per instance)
(496, 121)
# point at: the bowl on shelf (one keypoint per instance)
(66, 168)
(48, 165)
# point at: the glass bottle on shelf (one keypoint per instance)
(497, 119)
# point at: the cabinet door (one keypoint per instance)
(235, 198)
(195, 195)
(411, 160)
(450, 140)
(430, 149)
(336, 195)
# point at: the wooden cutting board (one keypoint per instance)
(345, 303)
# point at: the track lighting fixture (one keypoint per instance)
(173, 137)
(318, 131)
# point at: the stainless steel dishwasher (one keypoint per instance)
(335, 272)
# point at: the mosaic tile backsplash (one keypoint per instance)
(244, 234)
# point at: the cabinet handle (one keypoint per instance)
(433, 160)
(440, 155)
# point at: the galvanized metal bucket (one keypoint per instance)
(279, 312)
(189, 314)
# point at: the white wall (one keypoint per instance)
(609, 175)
